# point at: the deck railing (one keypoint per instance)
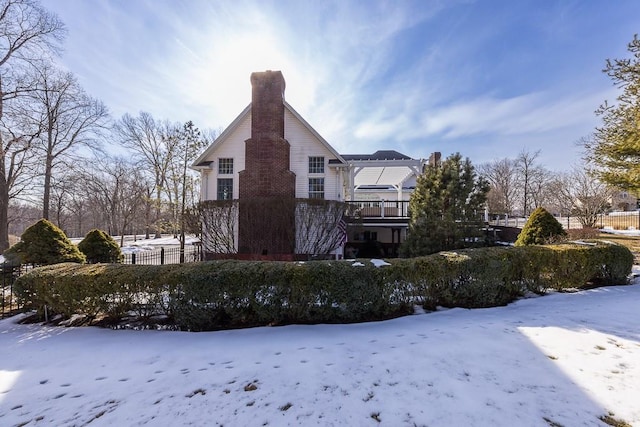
(382, 208)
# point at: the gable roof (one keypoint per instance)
(201, 161)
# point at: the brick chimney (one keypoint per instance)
(267, 177)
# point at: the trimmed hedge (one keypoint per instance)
(224, 294)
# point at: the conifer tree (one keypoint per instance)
(541, 228)
(446, 208)
(98, 246)
(615, 146)
(42, 244)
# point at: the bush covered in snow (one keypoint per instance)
(225, 294)
(43, 244)
(98, 246)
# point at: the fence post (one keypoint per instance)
(133, 257)
(161, 255)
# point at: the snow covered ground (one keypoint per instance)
(153, 244)
(562, 359)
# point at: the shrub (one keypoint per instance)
(583, 233)
(541, 228)
(42, 244)
(220, 294)
(98, 246)
(225, 294)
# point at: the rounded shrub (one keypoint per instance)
(98, 246)
(42, 244)
(541, 228)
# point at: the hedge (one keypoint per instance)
(224, 294)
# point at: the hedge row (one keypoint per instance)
(222, 294)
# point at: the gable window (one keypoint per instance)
(316, 188)
(225, 189)
(225, 166)
(316, 164)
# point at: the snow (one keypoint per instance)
(631, 231)
(379, 262)
(143, 245)
(562, 359)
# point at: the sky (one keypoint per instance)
(564, 359)
(488, 79)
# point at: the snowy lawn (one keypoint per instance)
(558, 360)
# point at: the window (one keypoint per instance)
(225, 166)
(225, 188)
(316, 164)
(316, 188)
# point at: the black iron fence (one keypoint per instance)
(9, 304)
(161, 256)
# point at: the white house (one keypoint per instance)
(270, 151)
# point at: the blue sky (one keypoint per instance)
(483, 78)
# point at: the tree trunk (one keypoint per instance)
(158, 202)
(4, 216)
(46, 197)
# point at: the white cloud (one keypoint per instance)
(531, 113)
(342, 61)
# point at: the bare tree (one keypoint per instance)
(70, 200)
(317, 222)
(532, 181)
(28, 33)
(217, 221)
(580, 194)
(70, 119)
(318, 226)
(503, 179)
(151, 142)
(190, 145)
(115, 187)
(17, 165)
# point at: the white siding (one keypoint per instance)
(304, 145)
(231, 147)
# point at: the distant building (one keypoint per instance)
(623, 201)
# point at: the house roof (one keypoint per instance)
(378, 155)
(382, 169)
(202, 161)
(382, 176)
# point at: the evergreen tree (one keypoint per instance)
(42, 244)
(541, 228)
(98, 246)
(446, 208)
(615, 146)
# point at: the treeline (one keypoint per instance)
(520, 185)
(55, 143)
